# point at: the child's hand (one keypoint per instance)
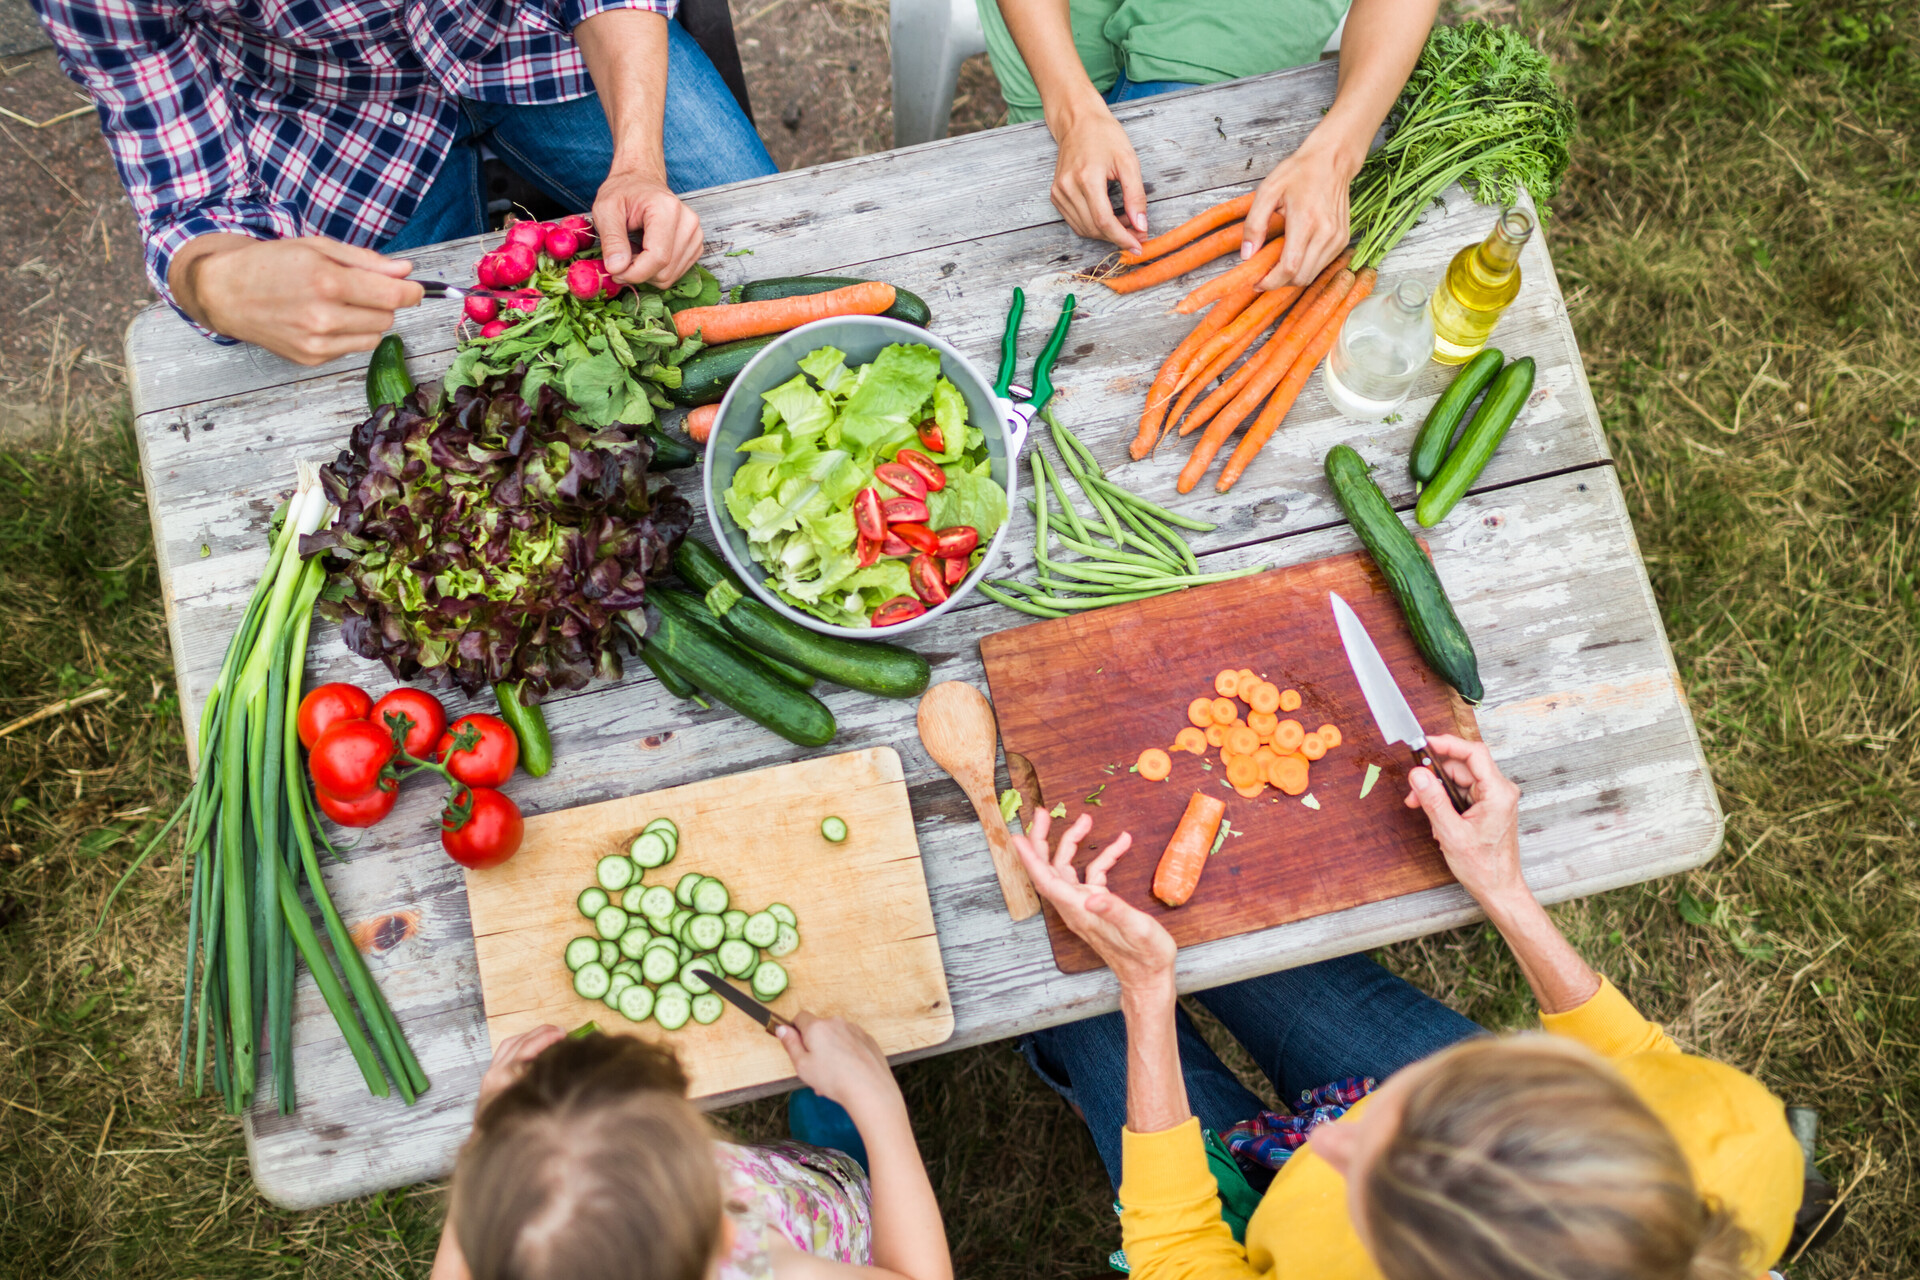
(512, 1057)
(838, 1060)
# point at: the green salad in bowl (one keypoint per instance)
(868, 496)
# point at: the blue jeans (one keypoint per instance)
(565, 148)
(1125, 90)
(1304, 1027)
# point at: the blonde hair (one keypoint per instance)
(1530, 1158)
(591, 1164)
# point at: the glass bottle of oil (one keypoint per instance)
(1480, 281)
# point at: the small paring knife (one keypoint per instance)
(441, 289)
(742, 1001)
(1389, 706)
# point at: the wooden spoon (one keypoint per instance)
(958, 730)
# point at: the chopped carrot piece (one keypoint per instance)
(1178, 874)
(1191, 739)
(1154, 764)
(1265, 697)
(1200, 711)
(1329, 734)
(1289, 773)
(1252, 792)
(1265, 755)
(1216, 736)
(1287, 735)
(1243, 772)
(1312, 747)
(1262, 723)
(1225, 711)
(1226, 683)
(1289, 699)
(1242, 741)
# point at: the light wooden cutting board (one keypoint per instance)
(868, 951)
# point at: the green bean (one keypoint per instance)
(1038, 611)
(1182, 555)
(1099, 602)
(1139, 503)
(1102, 553)
(1093, 571)
(1074, 440)
(1067, 510)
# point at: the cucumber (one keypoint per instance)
(666, 829)
(590, 981)
(690, 974)
(615, 872)
(870, 666)
(582, 951)
(670, 679)
(695, 611)
(636, 1004)
(609, 953)
(670, 453)
(672, 1006)
(706, 374)
(730, 674)
(833, 830)
(659, 964)
(705, 932)
(684, 887)
(761, 929)
(630, 898)
(529, 725)
(1505, 398)
(1436, 433)
(388, 381)
(736, 922)
(617, 983)
(906, 306)
(769, 980)
(650, 849)
(657, 902)
(736, 958)
(633, 943)
(784, 914)
(710, 897)
(785, 942)
(611, 922)
(629, 967)
(707, 1008)
(1410, 575)
(591, 899)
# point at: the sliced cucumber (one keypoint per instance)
(656, 903)
(615, 872)
(591, 900)
(679, 919)
(672, 1006)
(784, 914)
(582, 951)
(650, 849)
(761, 929)
(634, 941)
(708, 1008)
(616, 983)
(590, 981)
(660, 963)
(736, 922)
(686, 953)
(636, 1003)
(690, 974)
(609, 953)
(769, 980)
(671, 990)
(611, 921)
(629, 967)
(834, 829)
(736, 958)
(630, 898)
(710, 897)
(684, 887)
(785, 942)
(666, 828)
(705, 932)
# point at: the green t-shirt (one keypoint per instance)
(1192, 41)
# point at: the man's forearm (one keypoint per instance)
(1043, 31)
(626, 54)
(1382, 41)
(1156, 1091)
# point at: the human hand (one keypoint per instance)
(1482, 845)
(1310, 188)
(511, 1058)
(1135, 946)
(1094, 149)
(639, 199)
(309, 299)
(838, 1060)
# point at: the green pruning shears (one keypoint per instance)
(1017, 404)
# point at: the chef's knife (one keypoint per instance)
(741, 1000)
(1389, 706)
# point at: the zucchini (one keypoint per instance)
(706, 374)
(670, 453)
(1437, 633)
(529, 725)
(867, 665)
(906, 306)
(388, 381)
(695, 611)
(1505, 398)
(1436, 433)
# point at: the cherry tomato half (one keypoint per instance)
(867, 549)
(905, 511)
(929, 579)
(895, 611)
(957, 540)
(481, 828)
(362, 811)
(933, 437)
(867, 517)
(902, 479)
(324, 706)
(347, 760)
(917, 536)
(489, 761)
(894, 545)
(954, 570)
(930, 472)
(428, 716)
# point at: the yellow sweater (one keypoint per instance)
(1734, 1134)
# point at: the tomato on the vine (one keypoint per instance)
(326, 706)
(422, 708)
(347, 760)
(481, 828)
(361, 811)
(485, 761)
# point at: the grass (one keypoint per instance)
(1738, 246)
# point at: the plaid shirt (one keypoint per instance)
(273, 118)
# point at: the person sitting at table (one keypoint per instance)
(1069, 61)
(277, 154)
(587, 1162)
(1598, 1150)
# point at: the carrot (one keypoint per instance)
(1198, 254)
(700, 422)
(1243, 772)
(1226, 682)
(1225, 710)
(1276, 358)
(1290, 386)
(1329, 734)
(1172, 374)
(1245, 276)
(1178, 874)
(1287, 736)
(728, 322)
(1222, 395)
(1200, 712)
(1252, 792)
(1289, 773)
(1216, 735)
(1312, 747)
(1192, 229)
(1242, 741)
(1263, 723)
(1265, 698)
(1289, 699)
(1248, 683)
(1252, 321)
(1264, 756)
(1154, 764)
(1191, 739)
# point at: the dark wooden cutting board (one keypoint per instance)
(1079, 698)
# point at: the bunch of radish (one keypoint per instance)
(510, 271)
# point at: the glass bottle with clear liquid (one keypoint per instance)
(1381, 350)
(1480, 281)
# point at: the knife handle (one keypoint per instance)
(1461, 800)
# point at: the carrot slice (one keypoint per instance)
(1154, 764)
(1289, 699)
(727, 322)
(1312, 747)
(1225, 711)
(1248, 683)
(1192, 229)
(1265, 697)
(1173, 374)
(1244, 276)
(1178, 874)
(1289, 773)
(1226, 682)
(1263, 722)
(1287, 736)
(1296, 380)
(1202, 251)
(1191, 739)
(1329, 734)
(1242, 741)
(1252, 792)
(1200, 712)
(1216, 735)
(1265, 755)
(1244, 672)
(1242, 771)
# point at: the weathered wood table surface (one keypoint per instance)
(1584, 707)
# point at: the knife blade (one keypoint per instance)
(1395, 718)
(741, 1000)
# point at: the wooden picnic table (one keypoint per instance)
(1584, 707)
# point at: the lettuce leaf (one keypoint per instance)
(899, 381)
(972, 496)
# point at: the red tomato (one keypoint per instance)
(866, 513)
(363, 811)
(868, 550)
(929, 580)
(894, 545)
(347, 760)
(933, 437)
(326, 705)
(902, 479)
(930, 472)
(481, 829)
(904, 511)
(895, 611)
(954, 570)
(957, 540)
(488, 761)
(917, 536)
(428, 716)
